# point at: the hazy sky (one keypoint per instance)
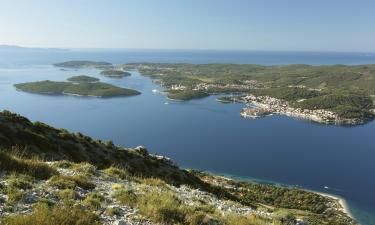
(328, 25)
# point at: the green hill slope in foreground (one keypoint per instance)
(52, 176)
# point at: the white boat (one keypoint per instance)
(155, 90)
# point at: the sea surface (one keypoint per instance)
(205, 134)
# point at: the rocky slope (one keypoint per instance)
(51, 176)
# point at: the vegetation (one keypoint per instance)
(347, 105)
(59, 214)
(70, 182)
(82, 64)
(82, 79)
(95, 89)
(186, 95)
(138, 180)
(93, 200)
(126, 197)
(351, 87)
(33, 167)
(288, 93)
(115, 73)
(117, 172)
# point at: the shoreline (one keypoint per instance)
(281, 107)
(341, 201)
(344, 206)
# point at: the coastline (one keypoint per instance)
(278, 106)
(341, 203)
(344, 206)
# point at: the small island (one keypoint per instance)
(181, 95)
(83, 78)
(115, 73)
(78, 87)
(83, 64)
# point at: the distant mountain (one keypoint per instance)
(20, 48)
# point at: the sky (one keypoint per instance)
(291, 25)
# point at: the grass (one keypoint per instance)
(84, 168)
(117, 172)
(59, 214)
(20, 181)
(93, 200)
(163, 207)
(70, 182)
(154, 182)
(32, 167)
(126, 197)
(14, 195)
(67, 195)
(112, 211)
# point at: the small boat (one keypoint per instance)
(166, 103)
(155, 90)
(325, 187)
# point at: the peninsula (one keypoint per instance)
(78, 86)
(65, 177)
(336, 94)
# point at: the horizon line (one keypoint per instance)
(182, 49)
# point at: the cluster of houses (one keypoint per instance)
(266, 105)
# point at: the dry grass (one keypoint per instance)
(33, 167)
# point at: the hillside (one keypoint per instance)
(51, 175)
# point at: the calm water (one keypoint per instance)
(206, 134)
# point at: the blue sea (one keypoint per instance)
(205, 134)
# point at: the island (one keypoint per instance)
(65, 177)
(115, 73)
(83, 78)
(79, 86)
(335, 94)
(76, 64)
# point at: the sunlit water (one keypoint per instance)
(205, 134)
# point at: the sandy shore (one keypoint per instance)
(342, 202)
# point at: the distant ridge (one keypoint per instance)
(4, 47)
